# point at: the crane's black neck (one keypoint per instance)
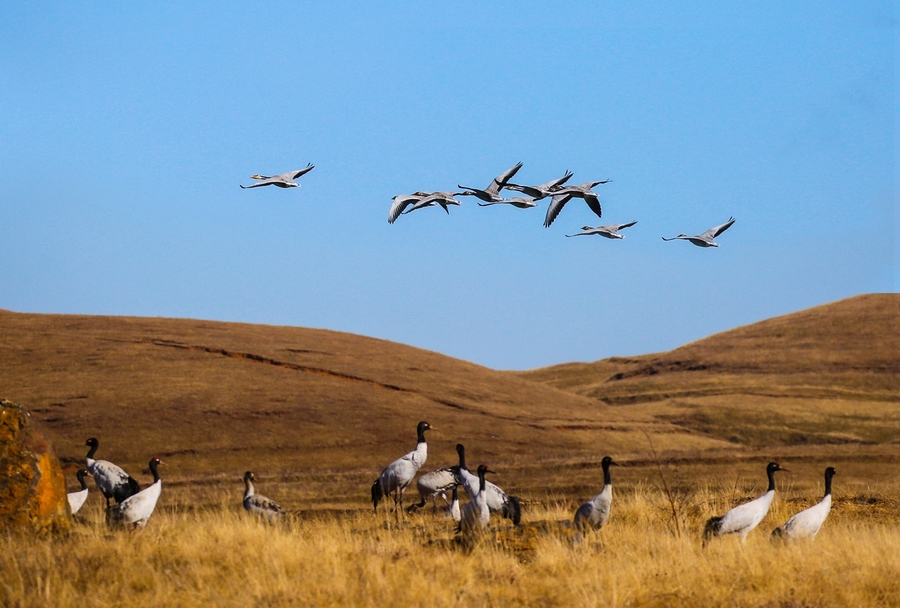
(607, 478)
(80, 476)
(828, 475)
(421, 433)
(771, 473)
(481, 482)
(153, 464)
(462, 457)
(93, 450)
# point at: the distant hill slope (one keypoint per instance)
(828, 374)
(213, 397)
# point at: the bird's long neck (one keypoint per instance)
(462, 459)
(248, 488)
(827, 485)
(421, 433)
(607, 478)
(481, 482)
(91, 452)
(771, 474)
(80, 476)
(153, 465)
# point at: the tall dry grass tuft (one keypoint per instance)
(221, 556)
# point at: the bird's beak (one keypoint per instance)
(614, 464)
(431, 428)
(784, 469)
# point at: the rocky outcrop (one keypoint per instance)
(32, 486)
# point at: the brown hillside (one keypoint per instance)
(219, 398)
(826, 375)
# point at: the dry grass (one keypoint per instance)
(221, 556)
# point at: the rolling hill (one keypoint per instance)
(320, 412)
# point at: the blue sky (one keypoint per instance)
(126, 130)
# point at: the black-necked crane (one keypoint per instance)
(135, 510)
(257, 503)
(436, 483)
(491, 194)
(76, 499)
(112, 480)
(395, 477)
(401, 202)
(743, 518)
(497, 500)
(564, 195)
(806, 524)
(595, 513)
(610, 232)
(705, 239)
(285, 180)
(453, 510)
(476, 515)
(543, 190)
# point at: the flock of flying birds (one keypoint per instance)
(556, 190)
(134, 506)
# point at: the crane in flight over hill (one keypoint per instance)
(285, 180)
(705, 239)
(610, 232)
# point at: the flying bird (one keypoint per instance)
(285, 180)
(395, 477)
(705, 239)
(443, 199)
(522, 202)
(610, 232)
(595, 513)
(258, 504)
(564, 195)
(401, 202)
(491, 194)
(112, 480)
(137, 509)
(542, 191)
(743, 518)
(806, 524)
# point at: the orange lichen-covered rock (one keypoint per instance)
(32, 486)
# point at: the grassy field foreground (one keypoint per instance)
(222, 556)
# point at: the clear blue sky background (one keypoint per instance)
(127, 128)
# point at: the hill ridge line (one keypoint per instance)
(301, 368)
(270, 361)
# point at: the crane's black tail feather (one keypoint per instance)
(377, 494)
(713, 525)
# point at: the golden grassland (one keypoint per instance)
(221, 556)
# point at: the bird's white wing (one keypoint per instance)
(556, 183)
(401, 202)
(618, 227)
(714, 232)
(304, 171)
